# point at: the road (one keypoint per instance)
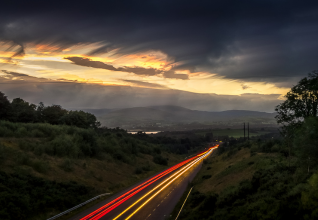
(152, 199)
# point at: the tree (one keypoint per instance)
(5, 107)
(80, 119)
(306, 143)
(52, 114)
(39, 112)
(22, 111)
(301, 102)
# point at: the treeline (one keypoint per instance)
(73, 142)
(189, 142)
(20, 110)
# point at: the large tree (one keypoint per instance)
(5, 107)
(301, 102)
(53, 114)
(23, 111)
(80, 119)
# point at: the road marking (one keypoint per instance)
(184, 203)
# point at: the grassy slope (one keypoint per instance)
(102, 173)
(239, 184)
(226, 171)
(88, 171)
(107, 175)
(219, 172)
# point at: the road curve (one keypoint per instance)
(152, 199)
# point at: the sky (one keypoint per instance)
(203, 55)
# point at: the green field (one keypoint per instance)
(236, 133)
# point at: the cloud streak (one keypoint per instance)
(145, 84)
(136, 70)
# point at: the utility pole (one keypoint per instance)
(248, 131)
(244, 131)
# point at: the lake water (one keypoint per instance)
(147, 132)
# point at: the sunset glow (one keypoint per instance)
(49, 61)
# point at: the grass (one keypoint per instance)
(236, 133)
(222, 171)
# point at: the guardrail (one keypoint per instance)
(75, 207)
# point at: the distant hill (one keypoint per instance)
(98, 112)
(167, 115)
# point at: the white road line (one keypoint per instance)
(184, 203)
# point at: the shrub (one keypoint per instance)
(67, 165)
(37, 133)
(63, 145)
(5, 132)
(206, 177)
(158, 159)
(4, 151)
(41, 166)
(138, 170)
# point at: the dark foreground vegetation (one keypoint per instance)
(268, 177)
(32, 154)
(24, 196)
(52, 159)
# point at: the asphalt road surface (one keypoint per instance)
(152, 199)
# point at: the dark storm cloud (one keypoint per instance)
(136, 70)
(172, 74)
(80, 95)
(248, 39)
(89, 63)
(139, 70)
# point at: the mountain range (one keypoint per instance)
(168, 115)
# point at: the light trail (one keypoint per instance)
(166, 186)
(101, 214)
(154, 189)
(116, 202)
(180, 172)
(138, 188)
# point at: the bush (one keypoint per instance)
(158, 159)
(138, 170)
(67, 165)
(63, 145)
(5, 132)
(4, 152)
(206, 177)
(41, 166)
